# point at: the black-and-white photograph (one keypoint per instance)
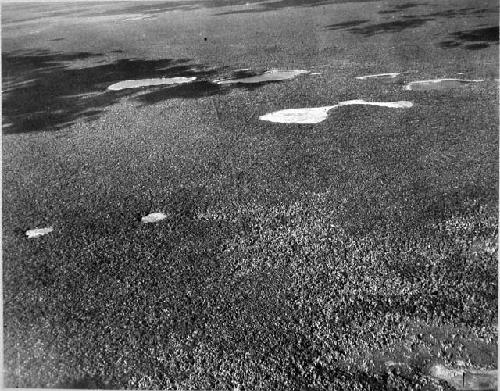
(250, 194)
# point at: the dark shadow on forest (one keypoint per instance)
(42, 92)
(450, 13)
(395, 26)
(475, 39)
(205, 88)
(196, 89)
(404, 22)
(454, 13)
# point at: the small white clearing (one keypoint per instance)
(438, 84)
(122, 85)
(298, 116)
(315, 115)
(466, 380)
(272, 75)
(153, 218)
(315, 73)
(37, 232)
(391, 75)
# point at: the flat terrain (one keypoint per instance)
(349, 254)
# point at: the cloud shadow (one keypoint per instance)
(474, 39)
(455, 13)
(395, 26)
(196, 89)
(46, 91)
(412, 21)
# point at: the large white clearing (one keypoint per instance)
(272, 75)
(314, 115)
(298, 116)
(438, 84)
(122, 85)
(35, 233)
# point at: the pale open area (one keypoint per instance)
(439, 84)
(123, 85)
(153, 217)
(37, 232)
(250, 195)
(315, 115)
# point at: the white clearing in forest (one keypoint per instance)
(438, 84)
(314, 115)
(466, 380)
(298, 116)
(37, 232)
(402, 104)
(391, 75)
(122, 85)
(272, 75)
(153, 217)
